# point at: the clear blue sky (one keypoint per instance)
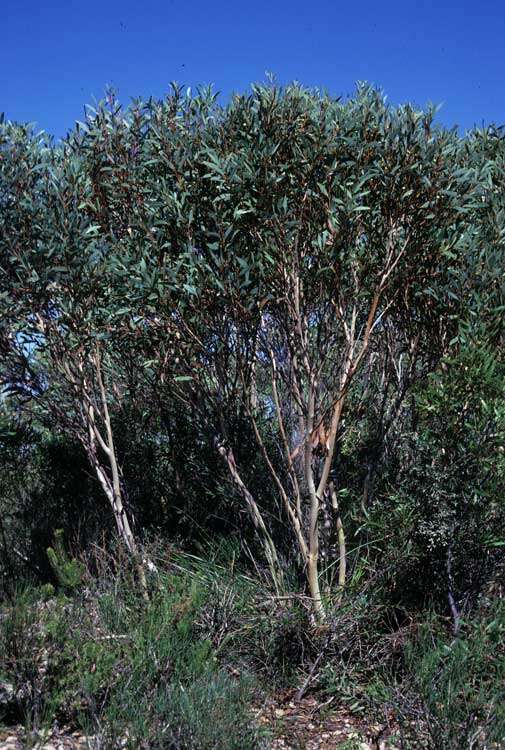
(59, 54)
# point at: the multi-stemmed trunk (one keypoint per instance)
(97, 438)
(297, 374)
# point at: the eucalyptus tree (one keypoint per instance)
(64, 336)
(306, 229)
(154, 192)
(255, 262)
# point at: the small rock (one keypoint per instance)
(7, 693)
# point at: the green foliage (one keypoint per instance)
(447, 504)
(454, 690)
(26, 653)
(68, 572)
(127, 671)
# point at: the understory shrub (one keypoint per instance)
(453, 693)
(130, 673)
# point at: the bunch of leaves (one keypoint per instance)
(68, 571)
(446, 506)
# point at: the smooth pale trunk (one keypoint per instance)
(257, 519)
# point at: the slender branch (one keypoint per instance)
(292, 513)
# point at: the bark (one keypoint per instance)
(456, 614)
(256, 517)
(109, 479)
(313, 556)
(342, 551)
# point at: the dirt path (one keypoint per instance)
(13, 738)
(310, 724)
